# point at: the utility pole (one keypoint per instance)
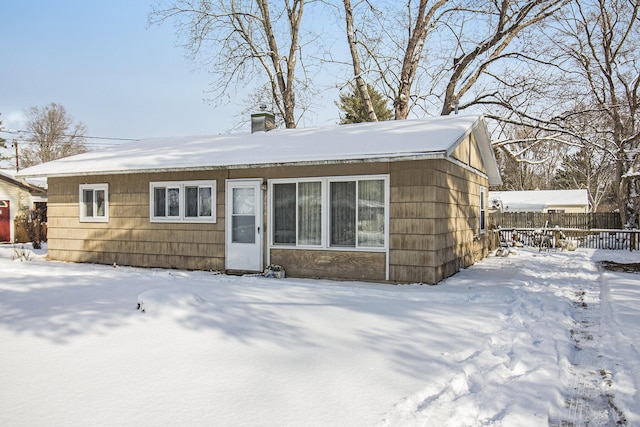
(15, 145)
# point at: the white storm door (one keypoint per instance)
(244, 225)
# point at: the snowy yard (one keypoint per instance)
(529, 339)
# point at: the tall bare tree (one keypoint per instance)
(418, 29)
(2, 140)
(600, 41)
(389, 46)
(2, 144)
(361, 85)
(434, 54)
(478, 50)
(588, 168)
(51, 134)
(527, 159)
(244, 40)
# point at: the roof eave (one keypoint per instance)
(381, 159)
(481, 133)
(23, 185)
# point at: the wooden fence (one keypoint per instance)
(584, 221)
(593, 239)
(21, 235)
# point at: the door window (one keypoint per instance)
(243, 221)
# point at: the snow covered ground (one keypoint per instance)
(526, 340)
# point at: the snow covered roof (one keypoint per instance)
(537, 200)
(40, 183)
(381, 141)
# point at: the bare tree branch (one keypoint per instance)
(361, 85)
(241, 41)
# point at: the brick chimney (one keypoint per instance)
(262, 121)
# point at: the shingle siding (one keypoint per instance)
(433, 225)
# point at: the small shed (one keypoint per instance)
(17, 196)
(546, 201)
(398, 201)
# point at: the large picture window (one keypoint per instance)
(371, 213)
(342, 197)
(310, 213)
(346, 212)
(284, 213)
(188, 201)
(94, 203)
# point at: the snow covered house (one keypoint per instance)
(16, 197)
(546, 201)
(399, 201)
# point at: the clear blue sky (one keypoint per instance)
(100, 60)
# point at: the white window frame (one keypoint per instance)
(482, 219)
(82, 211)
(182, 186)
(323, 186)
(325, 216)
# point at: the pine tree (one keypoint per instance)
(353, 110)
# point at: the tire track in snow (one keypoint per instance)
(613, 330)
(588, 402)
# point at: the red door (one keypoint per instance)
(5, 221)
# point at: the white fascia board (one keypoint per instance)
(403, 157)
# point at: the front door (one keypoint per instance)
(244, 225)
(5, 221)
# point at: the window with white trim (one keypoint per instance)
(483, 210)
(183, 201)
(344, 212)
(94, 202)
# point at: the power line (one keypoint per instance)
(19, 131)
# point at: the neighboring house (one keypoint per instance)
(16, 197)
(547, 201)
(400, 201)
